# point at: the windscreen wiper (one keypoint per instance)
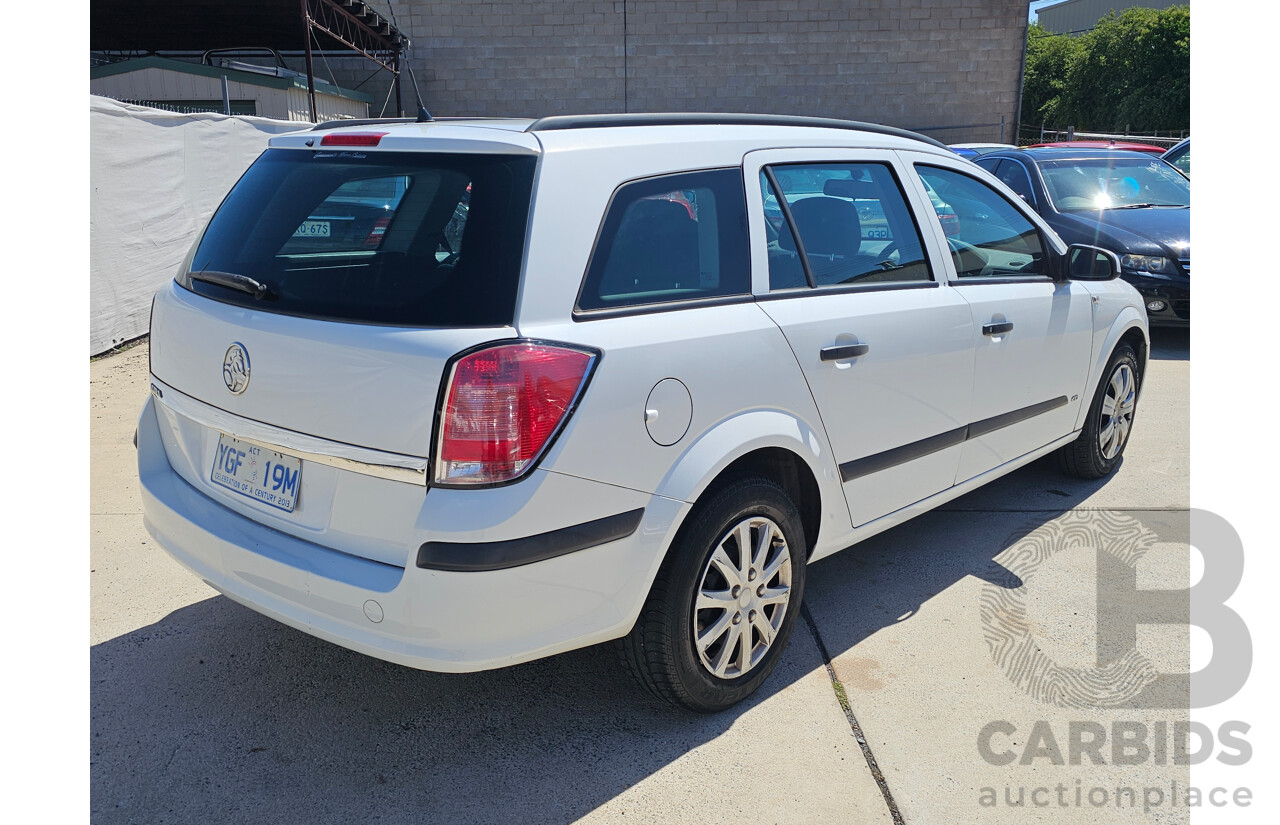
(233, 280)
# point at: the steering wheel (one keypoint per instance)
(879, 263)
(885, 254)
(969, 260)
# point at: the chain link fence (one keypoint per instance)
(1031, 135)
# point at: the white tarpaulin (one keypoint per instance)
(155, 179)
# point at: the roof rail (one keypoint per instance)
(558, 122)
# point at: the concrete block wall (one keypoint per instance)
(911, 63)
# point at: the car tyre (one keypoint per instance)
(705, 586)
(1097, 451)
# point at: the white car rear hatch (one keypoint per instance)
(320, 309)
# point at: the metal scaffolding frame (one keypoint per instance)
(361, 29)
(196, 27)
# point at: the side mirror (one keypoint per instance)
(1091, 263)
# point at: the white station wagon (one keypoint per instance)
(459, 394)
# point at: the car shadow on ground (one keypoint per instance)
(1171, 343)
(888, 578)
(281, 726)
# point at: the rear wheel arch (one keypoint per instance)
(772, 444)
(786, 469)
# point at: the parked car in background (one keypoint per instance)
(1101, 144)
(970, 151)
(628, 400)
(1180, 157)
(353, 216)
(1134, 204)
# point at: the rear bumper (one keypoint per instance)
(432, 619)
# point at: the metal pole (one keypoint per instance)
(1022, 77)
(399, 94)
(1071, 133)
(1002, 128)
(226, 97)
(311, 74)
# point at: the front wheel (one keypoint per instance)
(725, 602)
(1097, 450)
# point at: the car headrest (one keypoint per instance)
(838, 188)
(829, 227)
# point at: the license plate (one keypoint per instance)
(312, 229)
(257, 473)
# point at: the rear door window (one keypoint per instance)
(414, 239)
(853, 223)
(669, 239)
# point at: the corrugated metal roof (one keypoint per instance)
(1080, 15)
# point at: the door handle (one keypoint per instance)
(844, 351)
(997, 329)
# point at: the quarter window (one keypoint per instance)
(988, 236)
(672, 238)
(853, 222)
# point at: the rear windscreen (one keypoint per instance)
(414, 239)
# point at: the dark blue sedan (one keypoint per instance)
(1134, 204)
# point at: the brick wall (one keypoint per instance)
(912, 63)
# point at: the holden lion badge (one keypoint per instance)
(235, 368)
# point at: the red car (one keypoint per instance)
(1101, 144)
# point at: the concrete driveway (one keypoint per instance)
(202, 710)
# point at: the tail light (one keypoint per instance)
(504, 405)
(374, 239)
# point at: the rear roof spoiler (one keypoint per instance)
(388, 121)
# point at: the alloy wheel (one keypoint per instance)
(1117, 411)
(742, 598)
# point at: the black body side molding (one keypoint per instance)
(917, 449)
(499, 555)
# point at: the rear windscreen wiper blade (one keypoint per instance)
(233, 280)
